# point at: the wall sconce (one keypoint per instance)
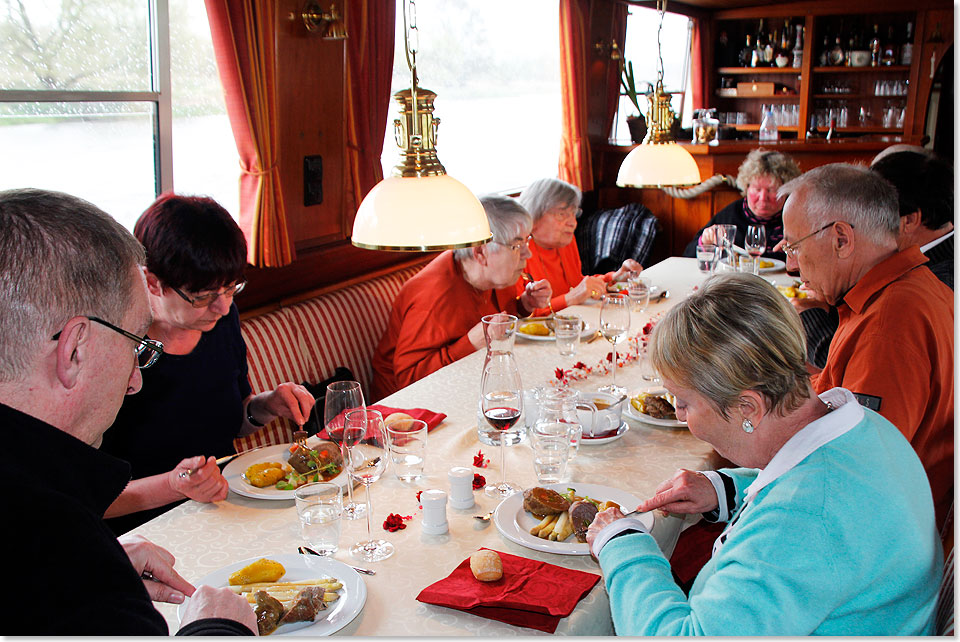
(329, 24)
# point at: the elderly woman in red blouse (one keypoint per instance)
(554, 206)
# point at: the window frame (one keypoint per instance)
(158, 15)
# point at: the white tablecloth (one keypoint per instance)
(205, 537)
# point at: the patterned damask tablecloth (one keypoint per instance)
(206, 537)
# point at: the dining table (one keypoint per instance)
(205, 537)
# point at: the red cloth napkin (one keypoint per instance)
(432, 418)
(531, 593)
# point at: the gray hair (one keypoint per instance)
(62, 257)
(851, 193)
(763, 162)
(736, 333)
(546, 193)
(506, 217)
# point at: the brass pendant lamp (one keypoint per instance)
(419, 207)
(658, 161)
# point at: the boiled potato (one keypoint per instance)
(265, 474)
(535, 328)
(263, 570)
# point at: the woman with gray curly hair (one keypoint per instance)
(809, 546)
(760, 176)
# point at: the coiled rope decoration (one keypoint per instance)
(707, 185)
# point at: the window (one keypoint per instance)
(98, 101)
(641, 49)
(495, 67)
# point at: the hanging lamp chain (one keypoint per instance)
(660, 117)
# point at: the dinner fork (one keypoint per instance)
(526, 276)
(485, 518)
(300, 437)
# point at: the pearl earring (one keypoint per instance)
(747, 426)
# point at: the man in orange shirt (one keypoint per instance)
(894, 346)
(436, 316)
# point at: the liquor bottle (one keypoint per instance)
(836, 56)
(760, 44)
(875, 47)
(851, 46)
(798, 48)
(785, 38)
(812, 131)
(906, 51)
(889, 56)
(746, 54)
(769, 52)
(833, 128)
(825, 52)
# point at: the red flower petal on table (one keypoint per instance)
(394, 522)
(418, 496)
(479, 461)
(479, 481)
(579, 365)
(609, 356)
(647, 329)
(559, 373)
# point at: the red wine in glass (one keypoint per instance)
(502, 418)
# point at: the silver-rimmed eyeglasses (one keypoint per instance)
(204, 300)
(515, 247)
(147, 350)
(791, 249)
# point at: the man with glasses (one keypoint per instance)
(894, 345)
(435, 318)
(73, 314)
(197, 399)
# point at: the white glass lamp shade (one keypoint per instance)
(658, 165)
(419, 214)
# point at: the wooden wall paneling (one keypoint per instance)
(927, 57)
(310, 83)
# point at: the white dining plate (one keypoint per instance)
(591, 441)
(514, 523)
(777, 265)
(621, 287)
(337, 615)
(636, 415)
(584, 333)
(280, 453)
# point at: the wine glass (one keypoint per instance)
(755, 243)
(638, 289)
(366, 461)
(614, 325)
(726, 238)
(501, 402)
(341, 397)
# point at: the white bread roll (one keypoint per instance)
(486, 566)
(398, 421)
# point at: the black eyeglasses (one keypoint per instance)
(791, 249)
(205, 300)
(147, 350)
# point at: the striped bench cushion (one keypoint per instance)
(308, 340)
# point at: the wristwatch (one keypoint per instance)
(250, 418)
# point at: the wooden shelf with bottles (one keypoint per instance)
(736, 71)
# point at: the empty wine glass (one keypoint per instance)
(501, 402)
(341, 397)
(366, 461)
(755, 243)
(614, 325)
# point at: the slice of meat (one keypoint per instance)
(301, 461)
(659, 407)
(543, 501)
(309, 602)
(582, 514)
(268, 612)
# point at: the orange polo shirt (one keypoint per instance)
(894, 349)
(560, 267)
(429, 322)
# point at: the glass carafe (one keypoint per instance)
(499, 334)
(561, 405)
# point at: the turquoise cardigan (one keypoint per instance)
(842, 544)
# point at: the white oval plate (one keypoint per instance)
(588, 441)
(634, 414)
(353, 595)
(585, 333)
(234, 471)
(514, 523)
(778, 265)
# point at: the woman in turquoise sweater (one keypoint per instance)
(830, 526)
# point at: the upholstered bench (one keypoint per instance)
(307, 340)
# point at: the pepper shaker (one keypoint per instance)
(434, 511)
(461, 487)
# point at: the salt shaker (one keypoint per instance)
(434, 511)
(461, 487)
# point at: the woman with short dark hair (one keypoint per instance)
(196, 399)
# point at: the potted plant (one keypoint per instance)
(636, 123)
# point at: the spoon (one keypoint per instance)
(663, 295)
(485, 518)
(309, 551)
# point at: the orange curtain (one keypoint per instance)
(575, 164)
(244, 40)
(697, 77)
(371, 25)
